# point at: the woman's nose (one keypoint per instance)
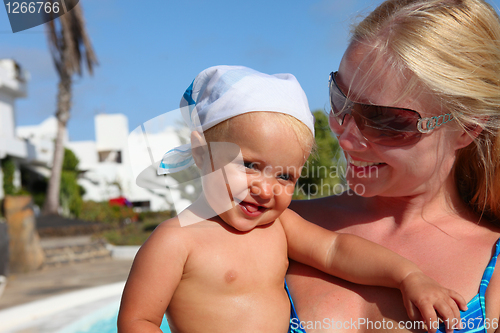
(349, 135)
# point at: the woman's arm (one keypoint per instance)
(360, 261)
(155, 274)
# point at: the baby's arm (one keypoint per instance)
(155, 274)
(360, 261)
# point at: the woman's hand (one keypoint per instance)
(427, 300)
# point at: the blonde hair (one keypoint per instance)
(452, 49)
(303, 134)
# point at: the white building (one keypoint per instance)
(108, 169)
(12, 86)
(105, 163)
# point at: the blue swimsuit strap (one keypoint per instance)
(488, 272)
(294, 326)
(474, 318)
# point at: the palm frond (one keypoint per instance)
(69, 43)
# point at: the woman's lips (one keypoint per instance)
(362, 164)
(363, 168)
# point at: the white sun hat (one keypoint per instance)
(222, 92)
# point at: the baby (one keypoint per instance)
(220, 265)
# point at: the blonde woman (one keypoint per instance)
(415, 105)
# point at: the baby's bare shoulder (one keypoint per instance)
(175, 232)
(172, 236)
(168, 236)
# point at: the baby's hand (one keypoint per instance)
(423, 293)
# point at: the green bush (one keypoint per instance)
(70, 161)
(70, 192)
(322, 172)
(105, 213)
(8, 169)
(155, 217)
(131, 234)
(134, 233)
(71, 201)
(149, 226)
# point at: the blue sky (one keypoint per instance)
(150, 51)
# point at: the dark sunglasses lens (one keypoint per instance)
(338, 102)
(336, 122)
(387, 126)
(340, 106)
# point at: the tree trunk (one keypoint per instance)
(51, 205)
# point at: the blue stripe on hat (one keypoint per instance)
(176, 165)
(188, 94)
(176, 160)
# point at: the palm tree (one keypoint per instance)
(70, 46)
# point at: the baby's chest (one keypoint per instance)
(238, 264)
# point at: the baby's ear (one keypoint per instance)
(198, 148)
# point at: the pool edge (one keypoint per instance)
(25, 313)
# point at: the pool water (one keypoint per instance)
(102, 321)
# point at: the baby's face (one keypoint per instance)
(257, 185)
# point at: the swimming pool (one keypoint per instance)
(102, 320)
(83, 311)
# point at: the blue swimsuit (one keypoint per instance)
(474, 318)
(294, 319)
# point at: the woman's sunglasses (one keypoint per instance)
(383, 125)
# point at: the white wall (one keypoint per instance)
(7, 123)
(46, 130)
(86, 151)
(13, 78)
(111, 131)
(12, 86)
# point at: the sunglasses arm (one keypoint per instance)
(427, 124)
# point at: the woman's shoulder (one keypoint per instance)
(481, 228)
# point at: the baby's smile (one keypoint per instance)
(251, 209)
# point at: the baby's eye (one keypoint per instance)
(285, 177)
(250, 165)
